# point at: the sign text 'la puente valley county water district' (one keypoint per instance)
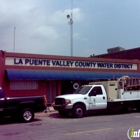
(69, 63)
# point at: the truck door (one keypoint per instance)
(97, 100)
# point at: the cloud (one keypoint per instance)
(34, 24)
(76, 35)
(42, 26)
(45, 32)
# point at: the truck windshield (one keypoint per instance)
(83, 90)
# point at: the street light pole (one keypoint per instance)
(70, 17)
(14, 39)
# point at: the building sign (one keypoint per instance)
(68, 63)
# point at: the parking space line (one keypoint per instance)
(90, 131)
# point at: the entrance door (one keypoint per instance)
(96, 99)
(51, 91)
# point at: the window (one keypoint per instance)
(96, 91)
(23, 85)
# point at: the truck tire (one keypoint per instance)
(27, 115)
(138, 108)
(64, 113)
(78, 111)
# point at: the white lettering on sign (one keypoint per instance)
(68, 63)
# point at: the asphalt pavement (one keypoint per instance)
(52, 126)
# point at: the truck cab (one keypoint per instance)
(88, 97)
(96, 97)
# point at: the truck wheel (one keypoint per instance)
(64, 113)
(78, 111)
(27, 115)
(138, 106)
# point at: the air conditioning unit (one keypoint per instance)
(115, 49)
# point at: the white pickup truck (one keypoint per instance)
(123, 93)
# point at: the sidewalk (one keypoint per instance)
(50, 110)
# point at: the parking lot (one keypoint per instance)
(51, 126)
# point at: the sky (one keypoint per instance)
(41, 26)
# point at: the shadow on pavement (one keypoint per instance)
(58, 116)
(93, 114)
(10, 120)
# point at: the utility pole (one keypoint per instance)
(70, 17)
(14, 39)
